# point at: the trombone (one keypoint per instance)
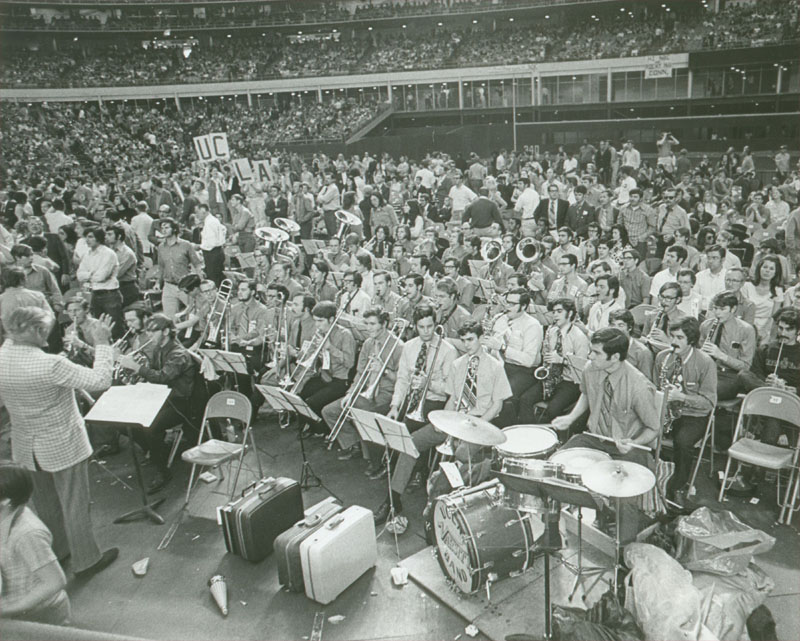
(360, 388)
(215, 329)
(308, 358)
(415, 399)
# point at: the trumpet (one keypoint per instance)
(360, 387)
(126, 376)
(415, 399)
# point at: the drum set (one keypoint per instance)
(492, 530)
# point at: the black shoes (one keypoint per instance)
(380, 473)
(106, 449)
(107, 558)
(350, 453)
(382, 514)
(159, 482)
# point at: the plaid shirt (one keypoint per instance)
(37, 389)
(638, 222)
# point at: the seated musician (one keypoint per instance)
(78, 342)
(491, 388)
(568, 284)
(449, 314)
(466, 289)
(374, 354)
(729, 341)
(276, 298)
(248, 328)
(517, 338)
(412, 298)
(353, 299)
(384, 298)
(656, 325)
(168, 364)
(322, 285)
(338, 355)
(776, 364)
(622, 409)
(639, 355)
(300, 329)
(201, 295)
(563, 341)
(607, 288)
(689, 378)
(281, 274)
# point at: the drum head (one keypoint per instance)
(527, 440)
(578, 459)
(455, 543)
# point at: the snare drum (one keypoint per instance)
(524, 453)
(477, 535)
(574, 461)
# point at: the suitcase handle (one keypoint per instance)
(270, 481)
(311, 521)
(334, 522)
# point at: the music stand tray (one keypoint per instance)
(140, 405)
(227, 362)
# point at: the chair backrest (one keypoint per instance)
(228, 404)
(641, 313)
(773, 403)
(661, 404)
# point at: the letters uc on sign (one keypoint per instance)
(212, 147)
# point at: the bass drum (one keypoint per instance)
(477, 535)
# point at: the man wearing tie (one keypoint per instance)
(552, 211)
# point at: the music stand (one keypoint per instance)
(563, 493)
(312, 246)
(393, 435)
(475, 267)
(228, 363)
(140, 404)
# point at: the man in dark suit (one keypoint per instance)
(581, 214)
(276, 205)
(552, 211)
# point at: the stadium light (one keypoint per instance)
(547, 17)
(439, 24)
(474, 22)
(622, 9)
(511, 19)
(369, 28)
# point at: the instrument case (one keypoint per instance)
(338, 553)
(287, 545)
(265, 509)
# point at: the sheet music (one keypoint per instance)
(138, 404)
(367, 426)
(397, 436)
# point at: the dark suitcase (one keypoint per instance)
(287, 545)
(267, 508)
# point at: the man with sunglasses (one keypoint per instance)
(517, 338)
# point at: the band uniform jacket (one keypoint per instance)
(38, 390)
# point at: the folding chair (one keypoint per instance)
(770, 402)
(654, 501)
(213, 452)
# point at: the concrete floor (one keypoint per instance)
(173, 602)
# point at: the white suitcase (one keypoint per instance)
(338, 553)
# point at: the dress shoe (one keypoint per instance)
(350, 453)
(106, 449)
(372, 469)
(106, 559)
(159, 482)
(416, 480)
(380, 473)
(383, 511)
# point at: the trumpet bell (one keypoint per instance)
(287, 225)
(528, 250)
(491, 250)
(271, 234)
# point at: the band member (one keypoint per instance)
(639, 355)
(412, 298)
(337, 259)
(621, 402)
(281, 274)
(301, 329)
(449, 313)
(193, 319)
(353, 300)
(563, 341)
(248, 325)
(474, 384)
(78, 341)
(729, 341)
(275, 301)
(607, 288)
(497, 272)
(466, 289)
(384, 298)
(688, 376)
(321, 286)
(135, 319)
(421, 264)
(568, 284)
(338, 356)
(169, 364)
(656, 326)
(517, 338)
(376, 352)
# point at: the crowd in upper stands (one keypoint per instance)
(269, 56)
(122, 137)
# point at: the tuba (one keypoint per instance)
(346, 221)
(528, 250)
(491, 250)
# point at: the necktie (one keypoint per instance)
(605, 405)
(422, 359)
(299, 334)
(553, 208)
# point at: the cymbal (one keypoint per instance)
(620, 479)
(466, 428)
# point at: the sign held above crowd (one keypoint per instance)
(212, 147)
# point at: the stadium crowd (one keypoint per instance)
(259, 57)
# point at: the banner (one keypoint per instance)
(262, 171)
(243, 170)
(657, 67)
(212, 147)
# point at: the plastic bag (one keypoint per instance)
(606, 620)
(661, 596)
(718, 542)
(733, 598)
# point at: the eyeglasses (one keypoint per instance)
(564, 264)
(663, 297)
(513, 302)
